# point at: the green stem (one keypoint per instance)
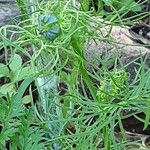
(23, 10)
(77, 44)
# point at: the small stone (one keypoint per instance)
(8, 11)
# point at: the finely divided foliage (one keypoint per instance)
(51, 96)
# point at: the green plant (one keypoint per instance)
(35, 114)
(19, 125)
(112, 87)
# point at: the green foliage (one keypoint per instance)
(10, 110)
(17, 123)
(23, 9)
(122, 5)
(119, 11)
(84, 5)
(4, 71)
(113, 86)
(82, 112)
(16, 63)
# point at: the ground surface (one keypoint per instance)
(8, 10)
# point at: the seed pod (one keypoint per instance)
(48, 26)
